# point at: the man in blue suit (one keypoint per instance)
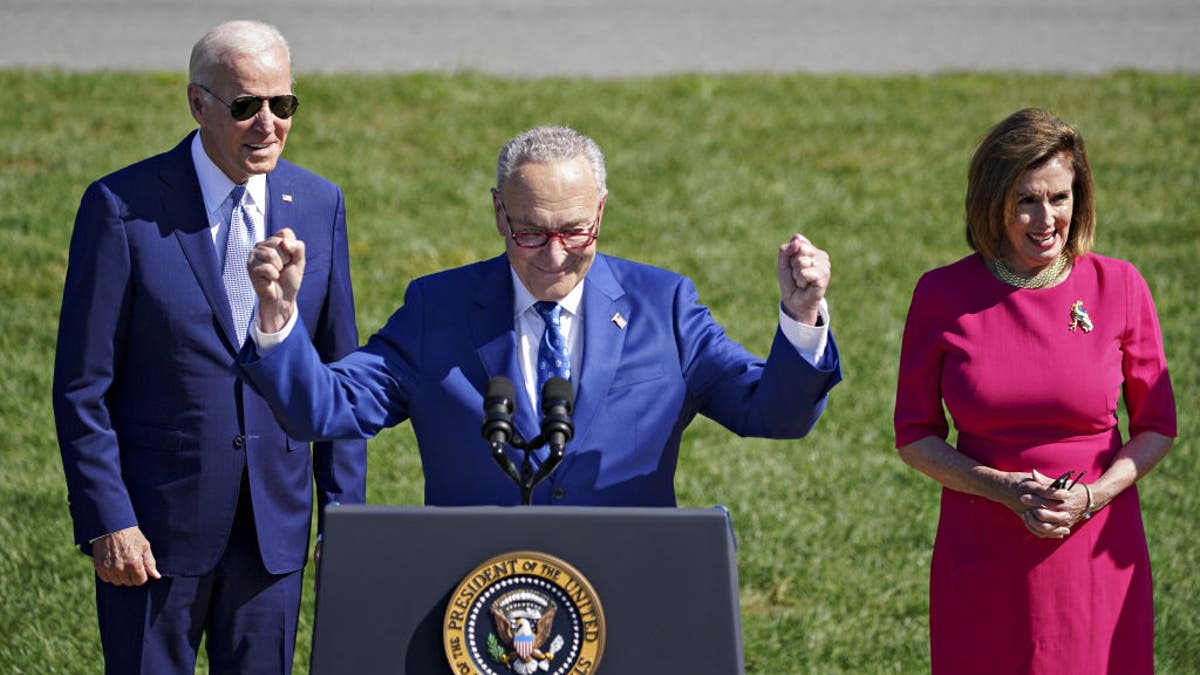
(193, 502)
(643, 356)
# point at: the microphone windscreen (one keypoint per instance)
(501, 387)
(557, 389)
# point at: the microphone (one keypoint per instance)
(557, 428)
(557, 405)
(497, 423)
(498, 409)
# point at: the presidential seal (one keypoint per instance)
(526, 613)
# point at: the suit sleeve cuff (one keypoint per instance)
(809, 341)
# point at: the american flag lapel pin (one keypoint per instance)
(286, 197)
(619, 320)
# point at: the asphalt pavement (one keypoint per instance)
(619, 38)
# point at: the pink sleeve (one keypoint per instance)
(1147, 389)
(918, 410)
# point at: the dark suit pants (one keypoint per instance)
(249, 616)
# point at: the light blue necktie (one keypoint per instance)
(553, 359)
(238, 243)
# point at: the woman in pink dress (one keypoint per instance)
(1030, 342)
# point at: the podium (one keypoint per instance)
(666, 580)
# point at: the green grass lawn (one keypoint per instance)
(707, 175)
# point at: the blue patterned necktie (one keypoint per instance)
(237, 249)
(553, 359)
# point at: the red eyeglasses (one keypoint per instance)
(571, 238)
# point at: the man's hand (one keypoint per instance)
(123, 558)
(803, 277)
(276, 267)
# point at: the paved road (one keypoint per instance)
(607, 38)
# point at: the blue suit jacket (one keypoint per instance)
(639, 385)
(154, 424)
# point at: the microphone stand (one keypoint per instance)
(527, 479)
(557, 429)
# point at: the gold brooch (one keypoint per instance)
(1080, 318)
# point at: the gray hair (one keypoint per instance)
(549, 144)
(221, 44)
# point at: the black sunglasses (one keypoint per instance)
(243, 108)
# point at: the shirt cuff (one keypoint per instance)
(809, 341)
(265, 342)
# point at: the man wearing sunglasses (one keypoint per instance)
(641, 354)
(193, 502)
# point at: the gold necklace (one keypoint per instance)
(1039, 280)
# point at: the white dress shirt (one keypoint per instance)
(530, 327)
(215, 187)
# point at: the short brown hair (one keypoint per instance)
(1023, 141)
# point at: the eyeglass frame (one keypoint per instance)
(271, 101)
(593, 232)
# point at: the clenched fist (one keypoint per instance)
(276, 267)
(803, 278)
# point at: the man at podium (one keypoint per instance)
(643, 357)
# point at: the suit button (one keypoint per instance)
(239, 442)
(558, 493)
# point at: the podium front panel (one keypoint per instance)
(666, 579)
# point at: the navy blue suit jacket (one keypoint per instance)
(641, 382)
(154, 424)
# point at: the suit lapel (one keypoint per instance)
(495, 341)
(603, 341)
(281, 208)
(495, 338)
(184, 206)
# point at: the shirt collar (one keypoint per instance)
(523, 300)
(215, 185)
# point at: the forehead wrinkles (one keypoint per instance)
(1045, 184)
(571, 211)
(261, 74)
(550, 194)
(1054, 174)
